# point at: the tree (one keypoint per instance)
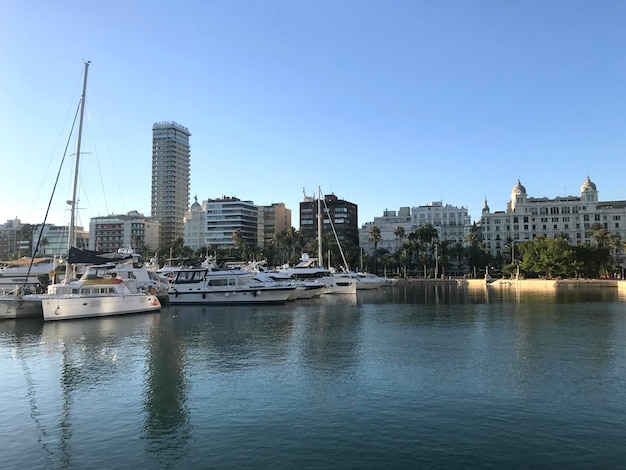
(240, 244)
(374, 236)
(554, 257)
(44, 243)
(600, 235)
(428, 236)
(458, 250)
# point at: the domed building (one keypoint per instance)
(194, 225)
(526, 217)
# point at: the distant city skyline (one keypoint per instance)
(382, 104)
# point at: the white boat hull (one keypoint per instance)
(203, 296)
(340, 286)
(85, 306)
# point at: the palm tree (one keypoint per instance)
(399, 233)
(600, 235)
(459, 252)
(44, 243)
(374, 235)
(428, 236)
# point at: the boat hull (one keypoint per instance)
(14, 307)
(203, 296)
(341, 286)
(83, 306)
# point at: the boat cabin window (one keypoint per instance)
(183, 277)
(222, 282)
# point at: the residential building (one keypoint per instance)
(337, 213)
(388, 225)
(16, 239)
(132, 230)
(227, 215)
(452, 223)
(527, 217)
(170, 179)
(272, 220)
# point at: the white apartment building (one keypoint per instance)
(112, 232)
(526, 217)
(215, 220)
(452, 223)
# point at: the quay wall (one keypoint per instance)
(522, 284)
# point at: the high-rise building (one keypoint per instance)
(170, 178)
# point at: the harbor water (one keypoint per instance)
(400, 377)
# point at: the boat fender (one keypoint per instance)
(175, 293)
(204, 295)
(254, 293)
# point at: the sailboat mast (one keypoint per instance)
(319, 228)
(71, 239)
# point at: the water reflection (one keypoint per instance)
(166, 427)
(94, 353)
(231, 338)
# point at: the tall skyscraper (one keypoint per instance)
(170, 178)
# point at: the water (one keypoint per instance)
(398, 378)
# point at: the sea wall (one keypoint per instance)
(545, 284)
(520, 284)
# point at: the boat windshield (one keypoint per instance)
(186, 277)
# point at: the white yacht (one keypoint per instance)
(366, 281)
(99, 292)
(202, 286)
(305, 288)
(308, 269)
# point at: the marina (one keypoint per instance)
(411, 375)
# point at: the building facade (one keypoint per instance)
(170, 179)
(452, 223)
(54, 239)
(132, 230)
(195, 226)
(226, 216)
(527, 217)
(272, 220)
(337, 213)
(16, 240)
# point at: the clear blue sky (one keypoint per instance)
(384, 103)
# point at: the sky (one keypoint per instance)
(385, 104)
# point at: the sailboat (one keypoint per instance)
(99, 291)
(313, 269)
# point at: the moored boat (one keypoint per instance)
(99, 292)
(202, 286)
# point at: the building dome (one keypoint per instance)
(519, 188)
(195, 206)
(588, 184)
